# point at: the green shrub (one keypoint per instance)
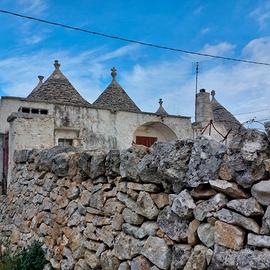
(31, 258)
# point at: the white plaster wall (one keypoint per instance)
(108, 130)
(8, 105)
(36, 132)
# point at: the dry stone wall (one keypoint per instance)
(182, 205)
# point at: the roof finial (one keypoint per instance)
(213, 93)
(56, 64)
(160, 102)
(114, 73)
(40, 77)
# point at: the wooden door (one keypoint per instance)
(146, 141)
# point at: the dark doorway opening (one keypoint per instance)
(146, 141)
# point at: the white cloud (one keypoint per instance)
(262, 14)
(30, 33)
(239, 87)
(223, 48)
(86, 70)
(33, 7)
(205, 30)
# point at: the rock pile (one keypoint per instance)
(189, 205)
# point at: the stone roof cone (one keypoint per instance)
(222, 115)
(161, 110)
(57, 88)
(114, 97)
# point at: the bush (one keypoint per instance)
(31, 258)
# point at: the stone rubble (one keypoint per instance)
(190, 205)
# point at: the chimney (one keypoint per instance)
(203, 110)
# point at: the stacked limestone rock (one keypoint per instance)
(182, 205)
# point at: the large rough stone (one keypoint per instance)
(204, 208)
(202, 193)
(92, 163)
(258, 240)
(248, 207)
(180, 256)
(144, 205)
(131, 217)
(174, 226)
(60, 164)
(108, 261)
(156, 251)
(267, 128)
(140, 263)
(237, 219)
(229, 236)
(204, 163)
(130, 159)
(244, 259)
(126, 247)
(206, 234)
(183, 204)
(197, 260)
(265, 229)
(261, 191)
(146, 229)
(112, 163)
(229, 188)
(167, 164)
(45, 157)
(160, 199)
(192, 232)
(246, 155)
(22, 156)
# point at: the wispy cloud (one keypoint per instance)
(205, 30)
(85, 70)
(239, 87)
(33, 7)
(262, 14)
(222, 48)
(198, 10)
(28, 31)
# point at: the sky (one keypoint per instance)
(228, 28)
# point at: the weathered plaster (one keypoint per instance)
(8, 105)
(34, 132)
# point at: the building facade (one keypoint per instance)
(54, 113)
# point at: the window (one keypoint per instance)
(65, 142)
(25, 110)
(33, 110)
(43, 111)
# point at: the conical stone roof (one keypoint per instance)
(114, 97)
(224, 116)
(57, 89)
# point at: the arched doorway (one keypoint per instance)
(151, 132)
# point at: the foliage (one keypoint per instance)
(31, 258)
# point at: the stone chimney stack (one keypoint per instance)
(203, 110)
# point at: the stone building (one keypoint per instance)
(213, 120)
(54, 113)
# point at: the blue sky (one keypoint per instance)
(229, 28)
